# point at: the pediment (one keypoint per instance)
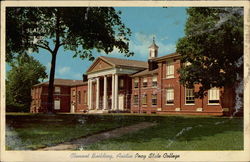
(99, 65)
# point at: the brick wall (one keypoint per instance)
(40, 99)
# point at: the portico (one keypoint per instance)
(108, 86)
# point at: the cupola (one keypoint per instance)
(153, 50)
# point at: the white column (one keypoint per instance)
(116, 92)
(88, 92)
(105, 93)
(97, 92)
(90, 95)
(113, 93)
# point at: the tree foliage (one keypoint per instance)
(213, 44)
(78, 29)
(25, 72)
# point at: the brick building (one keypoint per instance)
(121, 85)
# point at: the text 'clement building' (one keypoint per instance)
(120, 85)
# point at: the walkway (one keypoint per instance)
(73, 145)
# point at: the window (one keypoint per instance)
(170, 96)
(136, 99)
(85, 97)
(73, 93)
(144, 99)
(57, 104)
(136, 83)
(57, 90)
(189, 93)
(154, 81)
(145, 82)
(214, 96)
(154, 99)
(170, 69)
(79, 97)
(121, 83)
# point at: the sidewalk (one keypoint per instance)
(73, 145)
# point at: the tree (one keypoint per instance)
(25, 72)
(79, 29)
(213, 46)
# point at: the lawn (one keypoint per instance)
(26, 131)
(31, 131)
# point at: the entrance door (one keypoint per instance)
(121, 102)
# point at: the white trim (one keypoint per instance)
(213, 97)
(102, 73)
(90, 95)
(57, 104)
(105, 93)
(113, 71)
(113, 93)
(97, 92)
(116, 92)
(185, 96)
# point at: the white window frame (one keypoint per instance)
(57, 100)
(137, 99)
(154, 79)
(170, 69)
(73, 92)
(155, 95)
(214, 94)
(145, 80)
(136, 81)
(189, 89)
(169, 96)
(144, 104)
(57, 90)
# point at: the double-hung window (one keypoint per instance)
(136, 83)
(154, 81)
(169, 96)
(154, 99)
(144, 99)
(136, 99)
(57, 90)
(170, 69)
(214, 96)
(189, 95)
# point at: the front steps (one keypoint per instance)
(98, 111)
(94, 111)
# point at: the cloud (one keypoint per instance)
(63, 70)
(142, 41)
(77, 76)
(139, 45)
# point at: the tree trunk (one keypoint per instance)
(50, 105)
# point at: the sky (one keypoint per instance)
(165, 24)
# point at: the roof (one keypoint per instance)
(118, 62)
(125, 62)
(163, 58)
(153, 45)
(145, 72)
(64, 82)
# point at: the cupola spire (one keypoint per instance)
(153, 50)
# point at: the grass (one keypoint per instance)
(31, 131)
